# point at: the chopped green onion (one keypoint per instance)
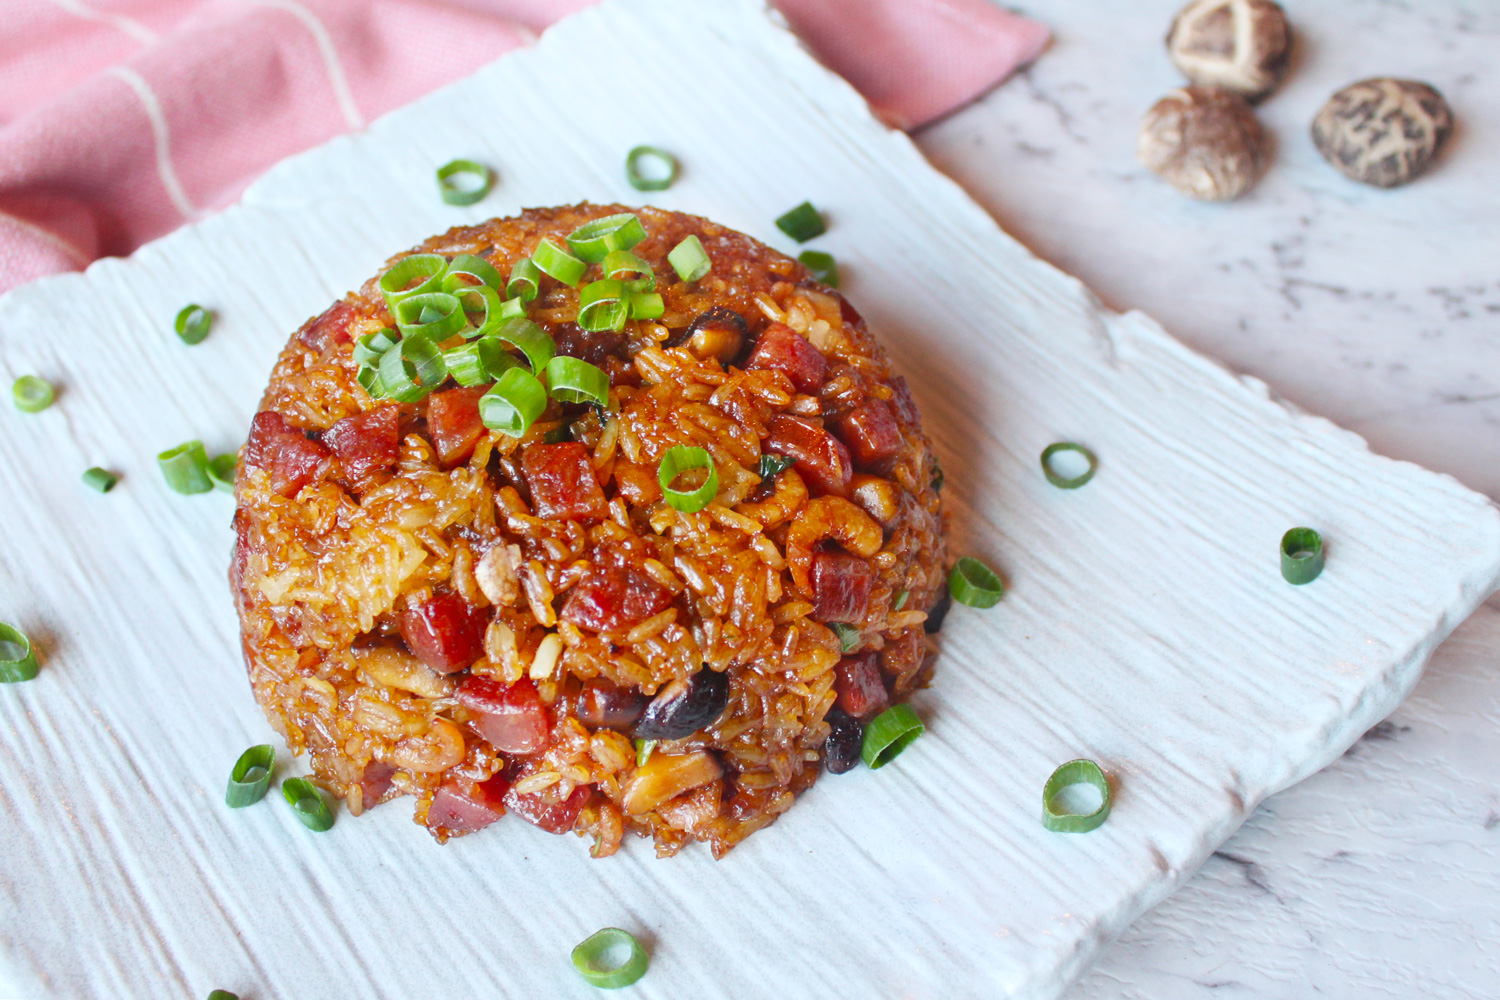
(682, 458)
(901, 600)
(369, 348)
(31, 394)
(621, 262)
(469, 192)
(193, 324)
(17, 659)
(100, 479)
(602, 305)
(525, 279)
(429, 267)
(222, 469)
(412, 369)
(369, 377)
(597, 959)
(434, 315)
(802, 223)
(185, 468)
(975, 584)
(558, 435)
(593, 240)
(774, 465)
(1067, 482)
(531, 340)
(250, 777)
(576, 381)
(1055, 814)
(553, 260)
(937, 476)
(689, 259)
(307, 802)
(479, 362)
(662, 173)
(223, 995)
(888, 734)
(494, 311)
(643, 750)
(1301, 555)
(647, 305)
(469, 266)
(848, 636)
(514, 403)
(822, 265)
(512, 308)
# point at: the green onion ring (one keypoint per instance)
(222, 469)
(639, 180)
(307, 803)
(223, 995)
(514, 403)
(556, 262)
(430, 267)
(193, 323)
(479, 362)
(525, 279)
(369, 348)
(412, 369)
(369, 377)
(531, 340)
(802, 223)
(593, 240)
(602, 305)
(489, 300)
(468, 265)
(848, 636)
(822, 266)
(689, 259)
(452, 193)
(973, 583)
(17, 658)
(682, 458)
(1065, 482)
(643, 750)
(250, 777)
(185, 468)
(618, 262)
(573, 380)
(889, 733)
(647, 305)
(32, 394)
(590, 953)
(512, 308)
(1301, 555)
(434, 315)
(1074, 772)
(774, 465)
(100, 479)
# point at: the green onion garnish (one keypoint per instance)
(185, 468)
(250, 777)
(428, 267)
(307, 802)
(646, 305)
(1055, 814)
(643, 750)
(434, 315)
(514, 403)
(531, 340)
(663, 168)
(888, 734)
(573, 380)
(369, 377)
(412, 369)
(470, 266)
(468, 192)
(479, 362)
(774, 465)
(937, 476)
(485, 300)
(525, 277)
(593, 240)
(901, 600)
(689, 259)
(1068, 482)
(193, 323)
(369, 348)
(223, 995)
(622, 262)
(1301, 555)
(595, 962)
(682, 458)
(848, 636)
(802, 223)
(17, 660)
(100, 479)
(31, 394)
(822, 265)
(602, 305)
(222, 469)
(553, 260)
(973, 583)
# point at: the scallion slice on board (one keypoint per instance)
(822, 265)
(973, 583)
(185, 468)
(1301, 555)
(1059, 478)
(100, 479)
(193, 323)
(17, 658)
(463, 182)
(648, 168)
(32, 394)
(889, 733)
(250, 776)
(1056, 815)
(307, 803)
(802, 223)
(610, 959)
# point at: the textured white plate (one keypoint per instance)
(1147, 624)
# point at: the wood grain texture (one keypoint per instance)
(1146, 625)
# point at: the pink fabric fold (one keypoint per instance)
(122, 119)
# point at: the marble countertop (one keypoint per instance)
(1379, 876)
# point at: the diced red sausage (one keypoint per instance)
(562, 481)
(785, 350)
(444, 632)
(453, 423)
(558, 818)
(821, 459)
(292, 459)
(366, 443)
(461, 806)
(612, 598)
(902, 401)
(860, 689)
(871, 433)
(841, 587)
(328, 329)
(512, 717)
(375, 781)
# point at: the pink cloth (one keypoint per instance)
(122, 119)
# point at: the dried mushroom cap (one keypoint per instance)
(1240, 45)
(1205, 142)
(1383, 132)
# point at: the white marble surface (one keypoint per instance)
(1379, 876)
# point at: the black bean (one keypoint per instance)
(684, 707)
(846, 735)
(603, 704)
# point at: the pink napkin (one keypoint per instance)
(122, 119)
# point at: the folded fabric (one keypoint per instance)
(122, 119)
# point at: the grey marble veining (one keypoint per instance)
(1379, 876)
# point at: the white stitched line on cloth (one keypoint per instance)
(134, 29)
(48, 237)
(330, 56)
(164, 168)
